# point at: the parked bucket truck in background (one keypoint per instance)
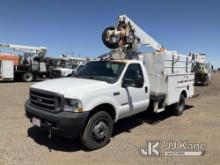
(124, 83)
(201, 68)
(29, 66)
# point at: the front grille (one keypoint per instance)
(45, 100)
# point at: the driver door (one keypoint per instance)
(136, 89)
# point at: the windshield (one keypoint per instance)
(108, 71)
(79, 68)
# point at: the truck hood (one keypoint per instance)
(63, 69)
(70, 87)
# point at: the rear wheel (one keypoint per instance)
(27, 77)
(98, 131)
(180, 106)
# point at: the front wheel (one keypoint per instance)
(180, 106)
(98, 131)
(27, 77)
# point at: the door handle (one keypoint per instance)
(116, 93)
(146, 89)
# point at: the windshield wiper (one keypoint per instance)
(94, 78)
(87, 77)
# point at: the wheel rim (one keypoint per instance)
(28, 77)
(100, 131)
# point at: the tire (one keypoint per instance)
(27, 77)
(180, 106)
(98, 131)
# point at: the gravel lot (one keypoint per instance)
(20, 143)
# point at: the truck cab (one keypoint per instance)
(88, 104)
(65, 71)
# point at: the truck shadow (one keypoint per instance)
(200, 85)
(57, 143)
(20, 81)
(125, 125)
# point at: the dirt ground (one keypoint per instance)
(20, 143)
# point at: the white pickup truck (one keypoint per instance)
(103, 92)
(66, 71)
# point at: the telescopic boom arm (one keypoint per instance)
(145, 38)
(30, 50)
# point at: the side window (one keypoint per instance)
(134, 75)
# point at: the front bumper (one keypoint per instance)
(65, 124)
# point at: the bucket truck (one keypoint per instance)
(201, 68)
(122, 83)
(29, 66)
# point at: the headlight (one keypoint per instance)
(73, 105)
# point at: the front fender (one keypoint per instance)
(102, 100)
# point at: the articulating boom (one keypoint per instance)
(128, 35)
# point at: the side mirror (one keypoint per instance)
(138, 83)
(125, 83)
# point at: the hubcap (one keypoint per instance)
(28, 77)
(100, 131)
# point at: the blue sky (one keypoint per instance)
(75, 26)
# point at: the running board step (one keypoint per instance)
(156, 109)
(160, 110)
